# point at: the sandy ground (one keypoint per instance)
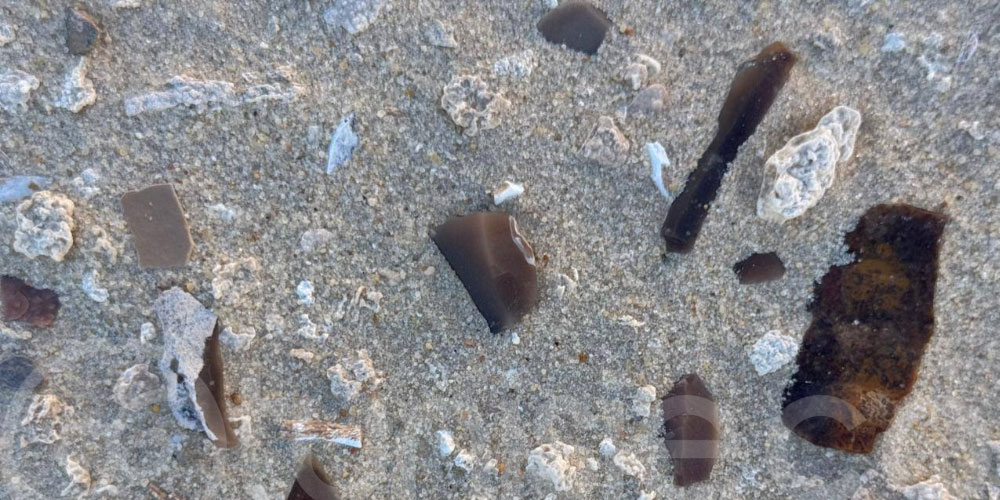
(930, 137)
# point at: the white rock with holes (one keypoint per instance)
(45, 226)
(551, 463)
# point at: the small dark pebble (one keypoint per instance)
(19, 372)
(82, 31)
(759, 268)
(578, 25)
(23, 302)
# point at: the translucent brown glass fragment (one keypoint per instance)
(312, 483)
(691, 430)
(495, 262)
(872, 319)
(577, 25)
(759, 268)
(157, 224)
(751, 94)
(25, 303)
(211, 394)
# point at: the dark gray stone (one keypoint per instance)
(19, 371)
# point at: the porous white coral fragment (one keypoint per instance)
(472, 105)
(45, 226)
(772, 351)
(15, 90)
(551, 463)
(77, 90)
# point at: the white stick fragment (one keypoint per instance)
(657, 160)
(342, 144)
(322, 430)
(507, 191)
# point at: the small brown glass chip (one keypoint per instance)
(691, 430)
(23, 302)
(495, 262)
(156, 221)
(577, 25)
(312, 483)
(872, 319)
(759, 268)
(211, 394)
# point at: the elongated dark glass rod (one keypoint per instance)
(751, 94)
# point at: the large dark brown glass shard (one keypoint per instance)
(691, 430)
(751, 94)
(211, 394)
(759, 268)
(577, 25)
(157, 224)
(495, 262)
(312, 483)
(23, 302)
(872, 319)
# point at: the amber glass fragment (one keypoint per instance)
(578, 25)
(211, 394)
(312, 483)
(495, 262)
(157, 224)
(872, 319)
(691, 430)
(23, 302)
(751, 94)
(759, 268)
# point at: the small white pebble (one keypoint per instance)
(147, 332)
(515, 338)
(305, 292)
(507, 191)
(465, 461)
(894, 42)
(772, 351)
(652, 65)
(640, 402)
(593, 465)
(446, 442)
(607, 447)
(302, 354)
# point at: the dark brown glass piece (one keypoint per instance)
(156, 221)
(872, 319)
(751, 94)
(211, 394)
(577, 25)
(691, 430)
(23, 302)
(759, 268)
(494, 262)
(312, 483)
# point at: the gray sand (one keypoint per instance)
(251, 178)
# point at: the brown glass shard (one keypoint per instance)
(495, 262)
(691, 430)
(25, 303)
(872, 319)
(577, 25)
(751, 94)
(211, 394)
(312, 483)
(157, 223)
(759, 268)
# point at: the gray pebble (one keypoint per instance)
(19, 371)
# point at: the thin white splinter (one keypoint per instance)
(342, 144)
(507, 191)
(657, 160)
(522, 243)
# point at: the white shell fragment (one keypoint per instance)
(137, 388)
(349, 377)
(342, 144)
(607, 146)
(44, 419)
(445, 442)
(15, 90)
(78, 477)
(635, 75)
(210, 95)
(657, 160)
(797, 176)
(186, 325)
(77, 90)
(643, 397)
(772, 351)
(45, 226)
(472, 105)
(322, 430)
(550, 463)
(507, 191)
